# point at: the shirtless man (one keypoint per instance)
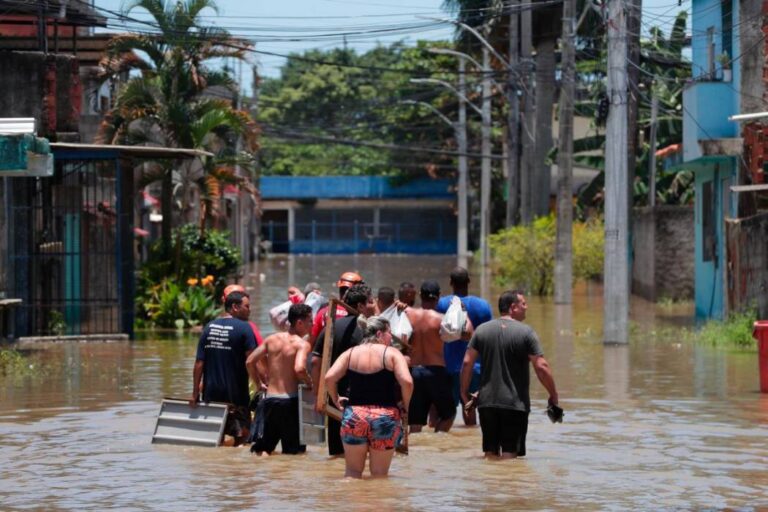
(277, 416)
(432, 383)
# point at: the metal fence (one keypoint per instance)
(363, 237)
(66, 248)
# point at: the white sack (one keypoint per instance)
(399, 324)
(454, 321)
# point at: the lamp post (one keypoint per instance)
(460, 129)
(485, 179)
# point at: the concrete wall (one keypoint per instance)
(46, 87)
(751, 51)
(663, 243)
(747, 269)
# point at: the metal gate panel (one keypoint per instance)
(66, 250)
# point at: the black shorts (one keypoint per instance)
(238, 420)
(335, 446)
(277, 420)
(504, 430)
(431, 386)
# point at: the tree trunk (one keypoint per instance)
(545, 100)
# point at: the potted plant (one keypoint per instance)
(725, 64)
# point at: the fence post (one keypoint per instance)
(314, 236)
(357, 242)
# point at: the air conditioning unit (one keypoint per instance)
(21, 153)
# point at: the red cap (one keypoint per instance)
(232, 288)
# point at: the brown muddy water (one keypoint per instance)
(659, 424)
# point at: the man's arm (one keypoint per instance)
(544, 374)
(470, 356)
(197, 377)
(253, 358)
(469, 330)
(300, 364)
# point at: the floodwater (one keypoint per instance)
(661, 423)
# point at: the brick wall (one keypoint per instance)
(663, 246)
(747, 267)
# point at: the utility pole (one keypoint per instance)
(564, 237)
(513, 117)
(485, 168)
(461, 136)
(528, 164)
(652, 156)
(616, 269)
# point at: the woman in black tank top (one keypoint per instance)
(378, 378)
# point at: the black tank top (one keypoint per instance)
(379, 388)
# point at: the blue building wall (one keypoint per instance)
(709, 101)
(414, 217)
(721, 173)
(352, 187)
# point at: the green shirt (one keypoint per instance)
(504, 346)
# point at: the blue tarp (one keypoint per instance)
(351, 187)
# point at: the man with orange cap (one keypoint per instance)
(345, 282)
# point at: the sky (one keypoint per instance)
(285, 26)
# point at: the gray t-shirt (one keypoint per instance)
(504, 346)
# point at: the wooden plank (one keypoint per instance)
(325, 361)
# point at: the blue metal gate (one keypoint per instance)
(67, 238)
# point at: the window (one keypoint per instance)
(727, 21)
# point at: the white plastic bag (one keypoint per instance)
(315, 300)
(399, 324)
(278, 315)
(454, 321)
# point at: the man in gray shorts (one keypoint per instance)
(505, 346)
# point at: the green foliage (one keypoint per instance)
(315, 100)
(56, 322)
(166, 295)
(12, 362)
(169, 305)
(736, 331)
(524, 256)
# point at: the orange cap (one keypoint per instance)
(232, 288)
(348, 279)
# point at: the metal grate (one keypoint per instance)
(65, 249)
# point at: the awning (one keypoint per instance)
(134, 151)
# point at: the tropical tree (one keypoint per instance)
(165, 102)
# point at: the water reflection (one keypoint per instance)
(659, 423)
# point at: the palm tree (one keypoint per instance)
(164, 104)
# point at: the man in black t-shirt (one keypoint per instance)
(505, 347)
(346, 334)
(222, 351)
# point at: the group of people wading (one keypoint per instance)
(375, 384)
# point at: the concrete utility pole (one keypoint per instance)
(513, 117)
(485, 170)
(652, 156)
(528, 151)
(461, 139)
(616, 269)
(564, 237)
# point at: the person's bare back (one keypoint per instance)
(287, 363)
(426, 345)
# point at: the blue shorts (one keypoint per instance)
(474, 385)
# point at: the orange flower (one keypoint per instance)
(192, 281)
(207, 280)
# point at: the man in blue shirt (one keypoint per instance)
(479, 312)
(222, 351)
